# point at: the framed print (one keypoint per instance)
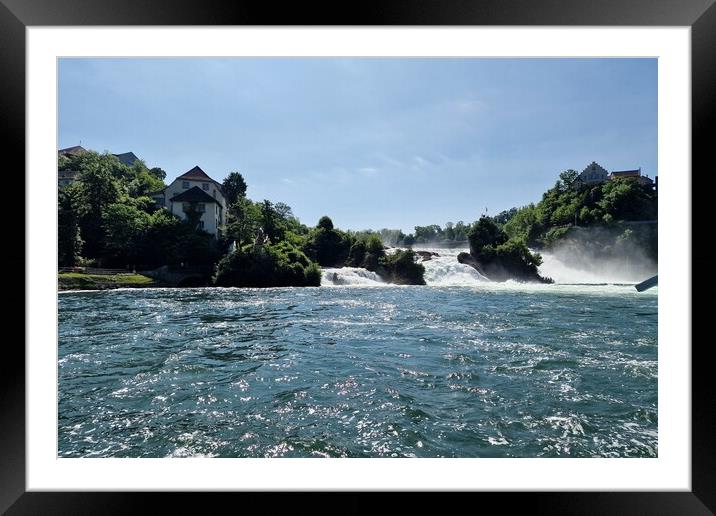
(241, 277)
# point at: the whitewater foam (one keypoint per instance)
(353, 276)
(444, 270)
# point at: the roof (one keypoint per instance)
(197, 174)
(127, 158)
(193, 194)
(626, 173)
(73, 151)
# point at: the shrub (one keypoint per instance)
(279, 265)
(402, 268)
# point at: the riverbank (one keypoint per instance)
(84, 281)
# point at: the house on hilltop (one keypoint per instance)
(192, 192)
(126, 158)
(596, 174)
(623, 174)
(72, 151)
(593, 174)
(66, 177)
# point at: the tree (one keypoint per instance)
(158, 173)
(98, 189)
(328, 246)
(243, 221)
(142, 181)
(124, 227)
(270, 221)
(485, 232)
(283, 210)
(325, 223)
(234, 187)
(567, 178)
(69, 241)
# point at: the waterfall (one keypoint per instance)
(350, 276)
(445, 270)
(440, 270)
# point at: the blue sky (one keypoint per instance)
(372, 143)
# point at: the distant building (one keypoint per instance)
(72, 151)
(593, 174)
(126, 158)
(195, 191)
(623, 174)
(67, 177)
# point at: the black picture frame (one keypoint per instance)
(700, 15)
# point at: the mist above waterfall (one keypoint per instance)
(602, 255)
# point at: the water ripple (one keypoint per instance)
(356, 372)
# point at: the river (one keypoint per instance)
(461, 367)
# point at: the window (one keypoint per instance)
(185, 184)
(186, 206)
(201, 207)
(201, 224)
(205, 186)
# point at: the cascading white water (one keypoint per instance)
(350, 276)
(445, 270)
(440, 270)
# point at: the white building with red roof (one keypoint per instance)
(192, 192)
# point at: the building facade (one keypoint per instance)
(623, 174)
(595, 174)
(194, 192)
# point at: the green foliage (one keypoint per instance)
(63, 162)
(501, 257)
(564, 205)
(409, 240)
(485, 232)
(356, 254)
(142, 181)
(272, 265)
(567, 178)
(424, 234)
(68, 231)
(158, 173)
(555, 234)
(524, 224)
(243, 221)
(327, 246)
(626, 199)
(124, 227)
(402, 268)
(98, 189)
(234, 187)
(325, 223)
(271, 222)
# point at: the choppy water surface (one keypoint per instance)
(436, 371)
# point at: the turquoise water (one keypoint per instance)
(482, 371)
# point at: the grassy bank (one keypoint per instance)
(82, 281)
